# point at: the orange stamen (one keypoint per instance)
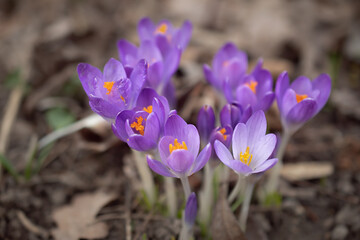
(177, 146)
(108, 86)
(246, 157)
(223, 131)
(138, 125)
(299, 97)
(161, 29)
(122, 98)
(252, 85)
(148, 109)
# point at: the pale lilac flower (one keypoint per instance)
(251, 147)
(179, 150)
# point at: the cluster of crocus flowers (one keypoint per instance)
(134, 95)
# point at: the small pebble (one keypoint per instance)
(340, 232)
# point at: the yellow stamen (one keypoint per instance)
(246, 157)
(161, 29)
(122, 98)
(108, 86)
(223, 131)
(299, 97)
(177, 146)
(252, 85)
(138, 125)
(148, 109)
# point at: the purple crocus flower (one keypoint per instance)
(113, 90)
(191, 210)
(160, 68)
(142, 126)
(251, 147)
(179, 150)
(164, 34)
(302, 99)
(205, 123)
(229, 76)
(232, 114)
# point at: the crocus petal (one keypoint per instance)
(137, 77)
(302, 85)
(103, 107)
(323, 84)
(202, 159)
(282, 84)
(180, 161)
(146, 29)
(162, 43)
(88, 76)
(140, 143)
(128, 52)
(119, 124)
(256, 126)
(182, 36)
(191, 210)
(239, 140)
(209, 76)
(265, 103)
(155, 73)
(205, 122)
(245, 97)
(234, 70)
(239, 167)
(192, 139)
(266, 165)
(113, 71)
(152, 129)
(150, 52)
(223, 153)
(288, 101)
(176, 126)
(302, 111)
(263, 149)
(146, 97)
(163, 147)
(171, 63)
(159, 167)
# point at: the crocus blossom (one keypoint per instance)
(232, 114)
(142, 126)
(228, 75)
(164, 34)
(302, 99)
(191, 210)
(160, 68)
(251, 147)
(205, 123)
(113, 90)
(179, 150)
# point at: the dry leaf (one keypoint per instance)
(306, 170)
(224, 225)
(77, 220)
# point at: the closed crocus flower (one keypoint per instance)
(164, 34)
(160, 68)
(228, 75)
(142, 126)
(301, 100)
(251, 147)
(205, 123)
(232, 114)
(113, 90)
(179, 150)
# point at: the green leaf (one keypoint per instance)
(8, 166)
(42, 156)
(273, 199)
(59, 117)
(13, 79)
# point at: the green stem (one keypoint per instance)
(235, 192)
(206, 196)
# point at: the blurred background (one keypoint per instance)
(41, 43)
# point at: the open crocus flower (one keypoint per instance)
(142, 126)
(251, 147)
(160, 68)
(302, 99)
(229, 76)
(113, 90)
(179, 150)
(164, 34)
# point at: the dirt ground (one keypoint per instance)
(90, 175)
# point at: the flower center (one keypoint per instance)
(161, 29)
(148, 109)
(137, 125)
(225, 63)
(223, 131)
(108, 86)
(252, 85)
(246, 157)
(299, 97)
(177, 146)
